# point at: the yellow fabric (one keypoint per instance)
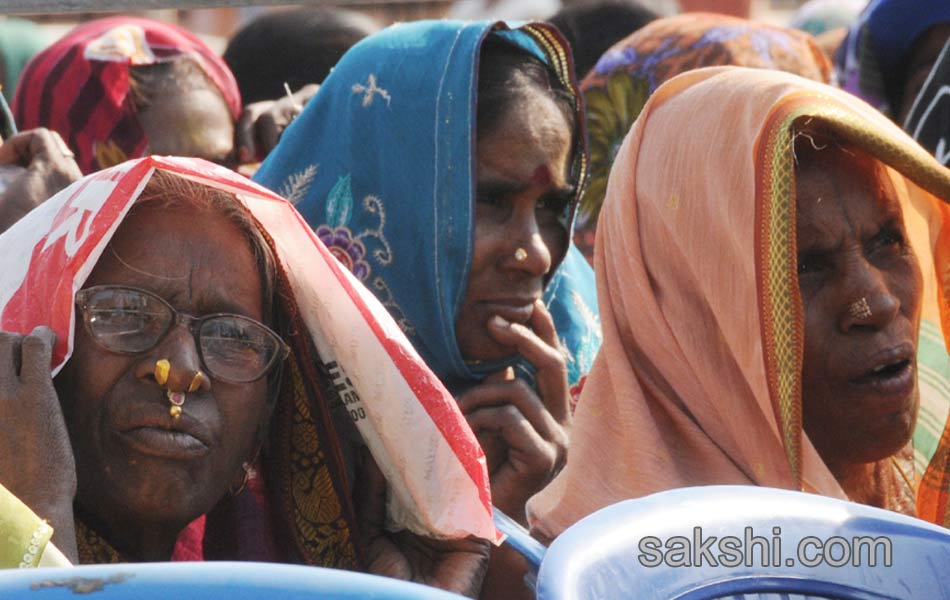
(699, 378)
(23, 535)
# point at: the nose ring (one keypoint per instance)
(860, 309)
(521, 255)
(177, 399)
(196, 381)
(161, 371)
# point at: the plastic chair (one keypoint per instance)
(624, 551)
(204, 581)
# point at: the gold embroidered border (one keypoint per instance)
(557, 53)
(780, 302)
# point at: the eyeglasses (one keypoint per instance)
(128, 320)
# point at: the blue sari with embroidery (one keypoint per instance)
(381, 164)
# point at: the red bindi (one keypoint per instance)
(542, 176)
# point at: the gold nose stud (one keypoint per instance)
(162, 367)
(177, 399)
(860, 309)
(196, 381)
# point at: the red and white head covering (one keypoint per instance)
(79, 86)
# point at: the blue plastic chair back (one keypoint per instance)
(204, 581)
(658, 548)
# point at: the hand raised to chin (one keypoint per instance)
(523, 431)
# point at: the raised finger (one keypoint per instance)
(24, 147)
(543, 324)
(16, 149)
(526, 452)
(517, 394)
(514, 428)
(529, 345)
(486, 392)
(37, 355)
(552, 383)
(9, 358)
(547, 359)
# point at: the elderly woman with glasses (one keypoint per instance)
(184, 426)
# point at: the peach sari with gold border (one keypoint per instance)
(698, 381)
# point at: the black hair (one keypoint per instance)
(506, 72)
(296, 47)
(592, 28)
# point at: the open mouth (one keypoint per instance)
(892, 378)
(886, 371)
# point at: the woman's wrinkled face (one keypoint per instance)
(522, 188)
(135, 463)
(861, 289)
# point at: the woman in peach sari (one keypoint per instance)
(771, 307)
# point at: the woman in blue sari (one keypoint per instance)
(441, 162)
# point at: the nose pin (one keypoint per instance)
(860, 309)
(176, 399)
(161, 371)
(196, 381)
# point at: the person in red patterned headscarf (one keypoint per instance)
(99, 88)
